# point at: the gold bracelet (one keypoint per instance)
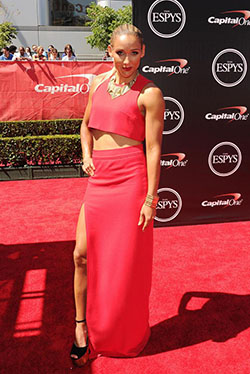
(151, 201)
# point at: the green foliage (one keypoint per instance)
(103, 20)
(40, 142)
(40, 150)
(7, 33)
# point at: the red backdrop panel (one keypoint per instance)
(46, 90)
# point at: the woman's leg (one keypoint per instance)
(80, 279)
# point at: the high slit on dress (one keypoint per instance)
(119, 253)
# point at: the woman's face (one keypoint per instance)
(68, 51)
(40, 51)
(21, 50)
(127, 53)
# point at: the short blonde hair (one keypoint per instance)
(126, 28)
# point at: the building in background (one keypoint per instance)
(57, 22)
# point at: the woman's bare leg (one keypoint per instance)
(80, 279)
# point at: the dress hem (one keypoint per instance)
(120, 355)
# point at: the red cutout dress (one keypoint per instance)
(119, 253)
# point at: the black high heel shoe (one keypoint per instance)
(81, 353)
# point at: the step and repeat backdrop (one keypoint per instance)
(198, 53)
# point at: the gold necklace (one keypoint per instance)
(116, 91)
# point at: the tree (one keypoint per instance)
(103, 21)
(7, 33)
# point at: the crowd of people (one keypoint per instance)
(37, 53)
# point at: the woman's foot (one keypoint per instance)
(81, 334)
(80, 350)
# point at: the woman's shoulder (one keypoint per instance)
(149, 86)
(143, 83)
(100, 78)
(104, 76)
(151, 94)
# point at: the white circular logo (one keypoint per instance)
(229, 67)
(169, 205)
(173, 116)
(166, 18)
(223, 161)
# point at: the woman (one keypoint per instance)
(39, 55)
(54, 55)
(28, 51)
(49, 51)
(115, 223)
(68, 53)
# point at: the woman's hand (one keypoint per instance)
(147, 214)
(88, 166)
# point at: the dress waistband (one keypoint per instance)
(121, 152)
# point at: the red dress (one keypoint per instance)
(119, 253)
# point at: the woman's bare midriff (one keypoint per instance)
(103, 140)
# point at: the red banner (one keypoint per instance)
(46, 90)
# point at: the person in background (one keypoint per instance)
(68, 53)
(39, 56)
(34, 49)
(54, 55)
(48, 52)
(21, 55)
(28, 51)
(12, 49)
(107, 57)
(6, 54)
(64, 53)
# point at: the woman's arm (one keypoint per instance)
(86, 135)
(154, 106)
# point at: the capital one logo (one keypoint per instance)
(173, 115)
(171, 66)
(173, 160)
(223, 201)
(166, 18)
(77, 88)
(169, 205)
(224, 159)
(229, 114)
(238, 18)
(229, 67)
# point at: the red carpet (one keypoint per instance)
(200, 299)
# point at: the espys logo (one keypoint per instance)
(178, 68)
(173, 160)
(169, 205)
(229, 114)
(82, 88)
(229, 67)
(173, 115)
(223, 201)
(241, 18)
(224, 159)
(166, 18)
